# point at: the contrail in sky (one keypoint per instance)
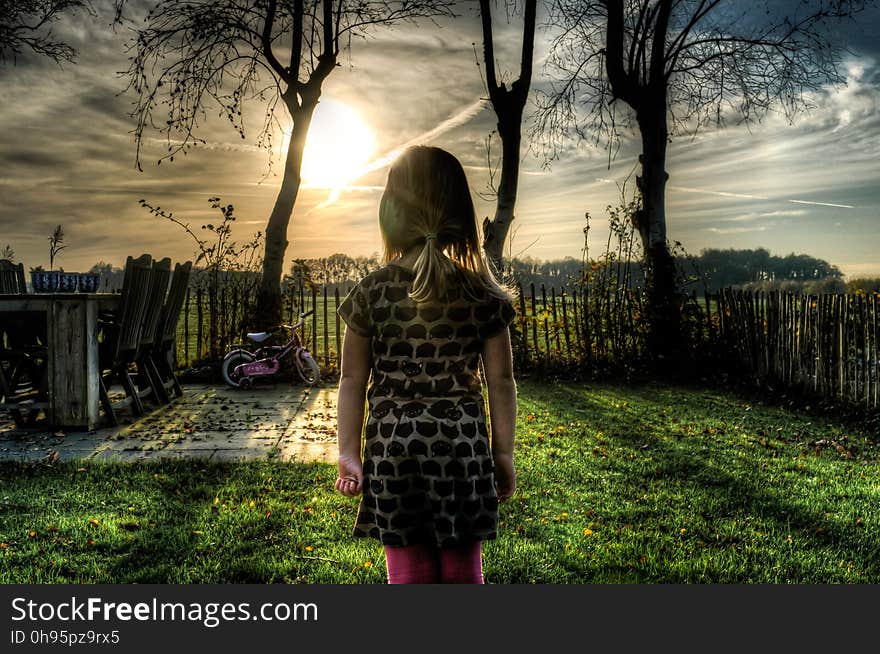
(460, 118)
(824, 204)
(758, 197)
(452, 122)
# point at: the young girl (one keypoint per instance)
(417, 330)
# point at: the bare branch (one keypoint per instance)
(192, 56)
(266, 42)
(488, 47)
(26, 26)
(720, 57)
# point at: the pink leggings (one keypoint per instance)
(426, 564)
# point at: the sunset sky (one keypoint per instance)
(67, 156)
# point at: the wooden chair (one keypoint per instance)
(160, 277)
(12, 277)
(163, 353)
(121, 332)
(22, 329)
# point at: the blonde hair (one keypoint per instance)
(427, 201)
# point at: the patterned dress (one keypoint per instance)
(428, 470)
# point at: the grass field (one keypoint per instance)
(648, 484)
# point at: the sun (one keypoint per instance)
(338, 146)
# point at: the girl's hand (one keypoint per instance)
(351, 476)
(505, 476)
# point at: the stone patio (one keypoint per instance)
(210, 422)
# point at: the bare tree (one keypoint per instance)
(508, 104)
(678, 66)
(26, 25)
(191, 54)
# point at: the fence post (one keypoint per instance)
(315, 322)
(326, 330)
(535, 324)
(199, 323)
(555, 321)
(565, 326)
(224, 321)
(708, 316)
(338, 329)
(875, 301)
(186, 328)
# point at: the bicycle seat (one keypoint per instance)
(258, 337)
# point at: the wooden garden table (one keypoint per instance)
(72, 331)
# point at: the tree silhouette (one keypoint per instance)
(191, 54)
(678, 66)
(508, 104)
(26, 26)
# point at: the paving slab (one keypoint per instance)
(213, 422)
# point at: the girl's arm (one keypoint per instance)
(355, 372)
(498, 365)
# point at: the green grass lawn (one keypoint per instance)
(648, 484)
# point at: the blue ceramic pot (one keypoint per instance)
(89, 282)
(67, 282)
(45, 281)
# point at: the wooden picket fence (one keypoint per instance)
(825, 344)
(202, 340)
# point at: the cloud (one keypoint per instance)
(748, 217)
(737, 230)
(67, 155)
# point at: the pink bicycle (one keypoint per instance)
(243, 365)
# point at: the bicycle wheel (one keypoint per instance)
(307, 368)
(232, 360)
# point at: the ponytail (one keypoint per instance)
(432, 271)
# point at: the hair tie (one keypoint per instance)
(429, 236)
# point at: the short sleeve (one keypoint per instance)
(501, 316)
(355, 310)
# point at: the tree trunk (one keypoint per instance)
(664, 336)
(508, 106)
(495, 231)
(268, 311)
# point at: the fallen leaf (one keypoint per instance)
(32, 534)
(94, 522)
(309, 548)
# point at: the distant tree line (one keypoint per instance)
(712, 270)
